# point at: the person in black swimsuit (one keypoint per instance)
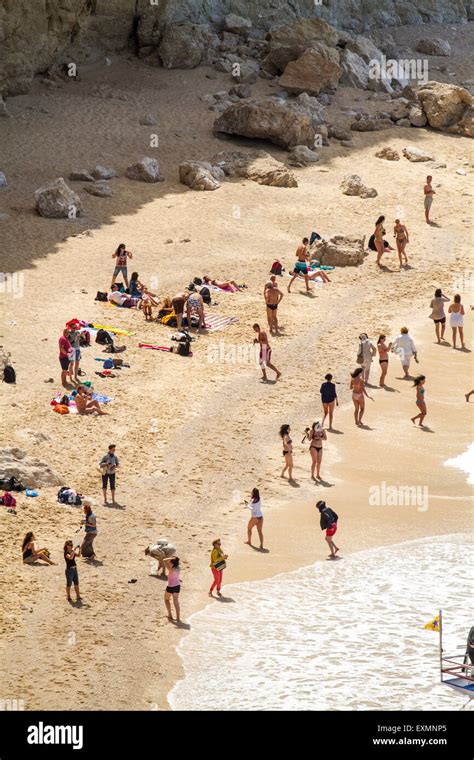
(316, 435)
(328, 398)
(287, 452)
(72, 577)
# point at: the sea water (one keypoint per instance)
(338, 635)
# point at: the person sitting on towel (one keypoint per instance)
(85, 403)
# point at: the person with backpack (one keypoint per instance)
(108, 466)
(121, 256)
(90, 531)
(70, 554)
(328, 522)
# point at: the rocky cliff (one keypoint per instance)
(37, 33)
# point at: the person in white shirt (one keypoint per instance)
(404, 346)
(256, 517)
(367, 351)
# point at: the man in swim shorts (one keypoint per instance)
(265, 352)
(301, 266)
(273, 296)
(328, 522)
(429, 192)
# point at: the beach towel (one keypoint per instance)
(113, 330)
(216, 322)
(161, 348)
(72, 408)
(311, 282)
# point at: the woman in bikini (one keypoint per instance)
(420, 399)
(196, 304)
(379, 232)
(358, 389)
(400, 234)
(316, 435)
(287, 452)
(222, 284)
(383, 350)
(85, 404)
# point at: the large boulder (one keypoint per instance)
(200, 175)
(306, 105)
(266, 120)
(316, 70)
(352, 185)
(287, 43)
(259, 167)
(416, 154)
(355, 71)
(57, 201)
(447, 107)
(434, 46)
(340, 251)
(365, 48)
(31, 471)
(145, 170)
(186, 45)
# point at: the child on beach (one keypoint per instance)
(420, 399)
(287, 452)
(328, 522)
(256, 517)
(174, 586)
(218, 565)
(72, 577)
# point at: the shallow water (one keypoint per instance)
(335, 635)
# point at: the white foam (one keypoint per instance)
(335, 635)
(464, 462)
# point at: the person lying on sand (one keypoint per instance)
(85, 403)
(123, 299)
(222, 284)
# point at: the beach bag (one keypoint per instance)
(360, 355)
(206, 295)
(100, 296)
(61, 409)
(103, 338)
(184, 349)
(170, 320)
(9, 374)
(314, 237)
(276, 268)
(85, 339)
(221, 565)
(9, 500)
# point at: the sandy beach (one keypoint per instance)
(194, 436)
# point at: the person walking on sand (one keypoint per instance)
(419, 384)
(121, 257)
(358, 389)
(400, 234)
(72, 578)
(379, 232)
(404, 346)
(273, 296)
(256, 517)
(301, 266)
(316, 435)
(437, 313)
(173, 588)
(90, 531)
(287, 452)
(328, 522)
(366, 353)
(328, 399)
(65, 352)
(108, 466)
(265, 353)
(383, 350)
(428, 193)
(456, 320)
(218, 565)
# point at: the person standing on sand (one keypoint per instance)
(174, 586)
(316, 435)
(178, 303)
(420, 399)
(456, 320)
(366, 353)
(400, 234)
(218, 565)
(287, 452)
(328, 398)
(72, 577)
(265, 352)
(358, 389)
(90, 531)
(273, 296)
(75, 353)
(404, 346)
(328, 522)
(121, 256)
(109, 465)
(65, 351)
(437, 313)
(383, 350)
(301, 266)
(256, 517)
(428, 193)
(379, 232)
